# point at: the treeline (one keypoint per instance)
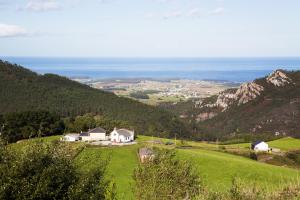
(24, 90)
(139, 95)
(90, 121)
(31, 124)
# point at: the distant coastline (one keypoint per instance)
(236, 70)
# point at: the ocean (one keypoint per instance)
(218, 69)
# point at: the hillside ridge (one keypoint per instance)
(265, 107)
(24, 90)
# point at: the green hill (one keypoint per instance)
(24, 90)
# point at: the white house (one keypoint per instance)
(121, 135)
(260, 146)
(72, 137)
(96, 134)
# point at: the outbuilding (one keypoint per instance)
(72, 137)
(145, 154)
(260, 146)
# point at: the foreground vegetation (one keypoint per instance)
(217, 170)
(44, 170)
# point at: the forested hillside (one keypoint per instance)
(265, 108)
(24, 90)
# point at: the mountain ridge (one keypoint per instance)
(264, 108)
(259, 107)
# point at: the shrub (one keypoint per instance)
(253, 156)
(165, 177)
(46, 171)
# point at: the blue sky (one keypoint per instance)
(150, 28)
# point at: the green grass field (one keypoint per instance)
(123, 161)
(217, 169)
(284, 144)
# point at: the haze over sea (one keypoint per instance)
(219, 69)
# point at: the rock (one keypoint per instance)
(278, 79)
(225, 99)
(205, 116)
(248, 92)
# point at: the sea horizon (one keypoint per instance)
(231, 69)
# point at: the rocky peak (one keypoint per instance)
(248, 92)
(225, 98)
(245, 93)
(278, 78)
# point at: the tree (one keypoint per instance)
(165, 177)
(46, 171)
(23, 125)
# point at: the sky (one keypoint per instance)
(150, 28)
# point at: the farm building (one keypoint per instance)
(145, 154)
(96, 134)
(260, 146)
(71, 137)
(121, 135)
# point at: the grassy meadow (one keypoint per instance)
(284, 144)
(217, 169)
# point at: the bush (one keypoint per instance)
(165, 177)
(46, 171)
(253, 156)
(295, 156)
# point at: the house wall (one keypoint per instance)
(114, 136)
(85, 138)
(261, 147)
(98, 136)
(70, 139)
(132, 137)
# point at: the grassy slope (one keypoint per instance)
(217, 169)
(285, 144)
(123, 160)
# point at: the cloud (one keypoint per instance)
(7, 30)
(173, 14)
(194, 12)
(217, 11)
(150, 15)
(41, 6)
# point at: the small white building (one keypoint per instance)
(121, 135)
(260, 146)
(96, 134)
(72, 137)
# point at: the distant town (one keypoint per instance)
(152, 91)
